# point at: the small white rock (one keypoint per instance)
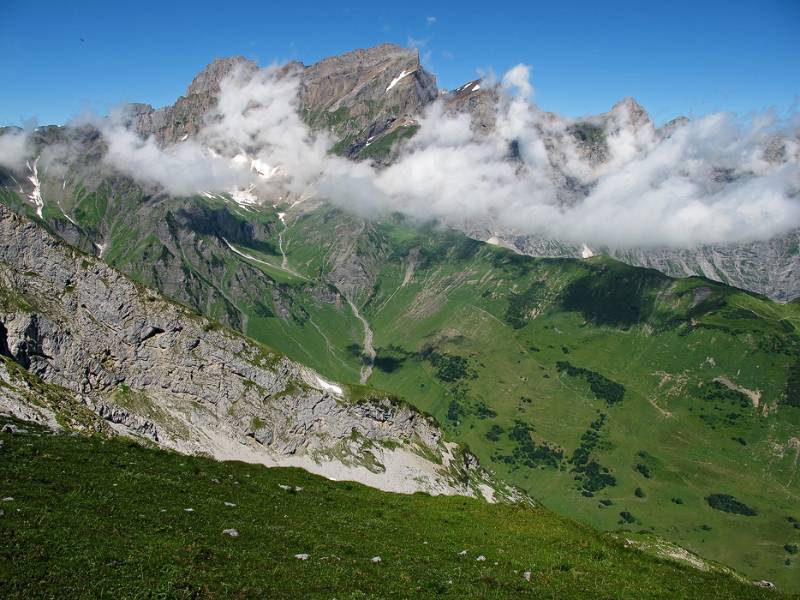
(189, 509)
(301, 556)
(8, 499)
(527, 575)
(481, 558)
(462, 553)
(230, 532)
(376, 559)
(229, 504)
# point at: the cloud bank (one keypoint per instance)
(717, 179)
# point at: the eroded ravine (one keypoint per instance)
(369, 351)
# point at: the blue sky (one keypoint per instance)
(60, 59)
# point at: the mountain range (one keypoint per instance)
(651, 391)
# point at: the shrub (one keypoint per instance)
(729, 504)
(639, 492)
(627, 516)
(601, 386)
(494, 433)
(449, 367)
(792, 391)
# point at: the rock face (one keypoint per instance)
(77, 334)
(186, 117)
(365, 94)
(360, 96)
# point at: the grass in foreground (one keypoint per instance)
(92, 517)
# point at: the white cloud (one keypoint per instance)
(15, 148)
(709, 182)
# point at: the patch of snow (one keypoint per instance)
(101, 248)
(397, 79)
(586, 252)
(335, 389)
(244, 197)
(230, 532)
(36, 195)
(263, 262)
(244, 254)
(376, 559)
(63, 212)
(493, 241)
(281, 216)
(185, 137)
(477, 87)
(301, 556)
(481, 558)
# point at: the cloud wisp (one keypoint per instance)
(718, 179)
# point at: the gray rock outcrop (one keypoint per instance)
(143, 366)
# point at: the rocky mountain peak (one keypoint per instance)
(669, 127)
(630, 111)
(366, 94)
(207, 81)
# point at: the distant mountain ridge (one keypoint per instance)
(372, 100)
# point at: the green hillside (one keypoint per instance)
(90, 517)
(613, 394)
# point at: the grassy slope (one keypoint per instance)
(633, 327)
(92, 517)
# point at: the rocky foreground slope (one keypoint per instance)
(76, 334)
